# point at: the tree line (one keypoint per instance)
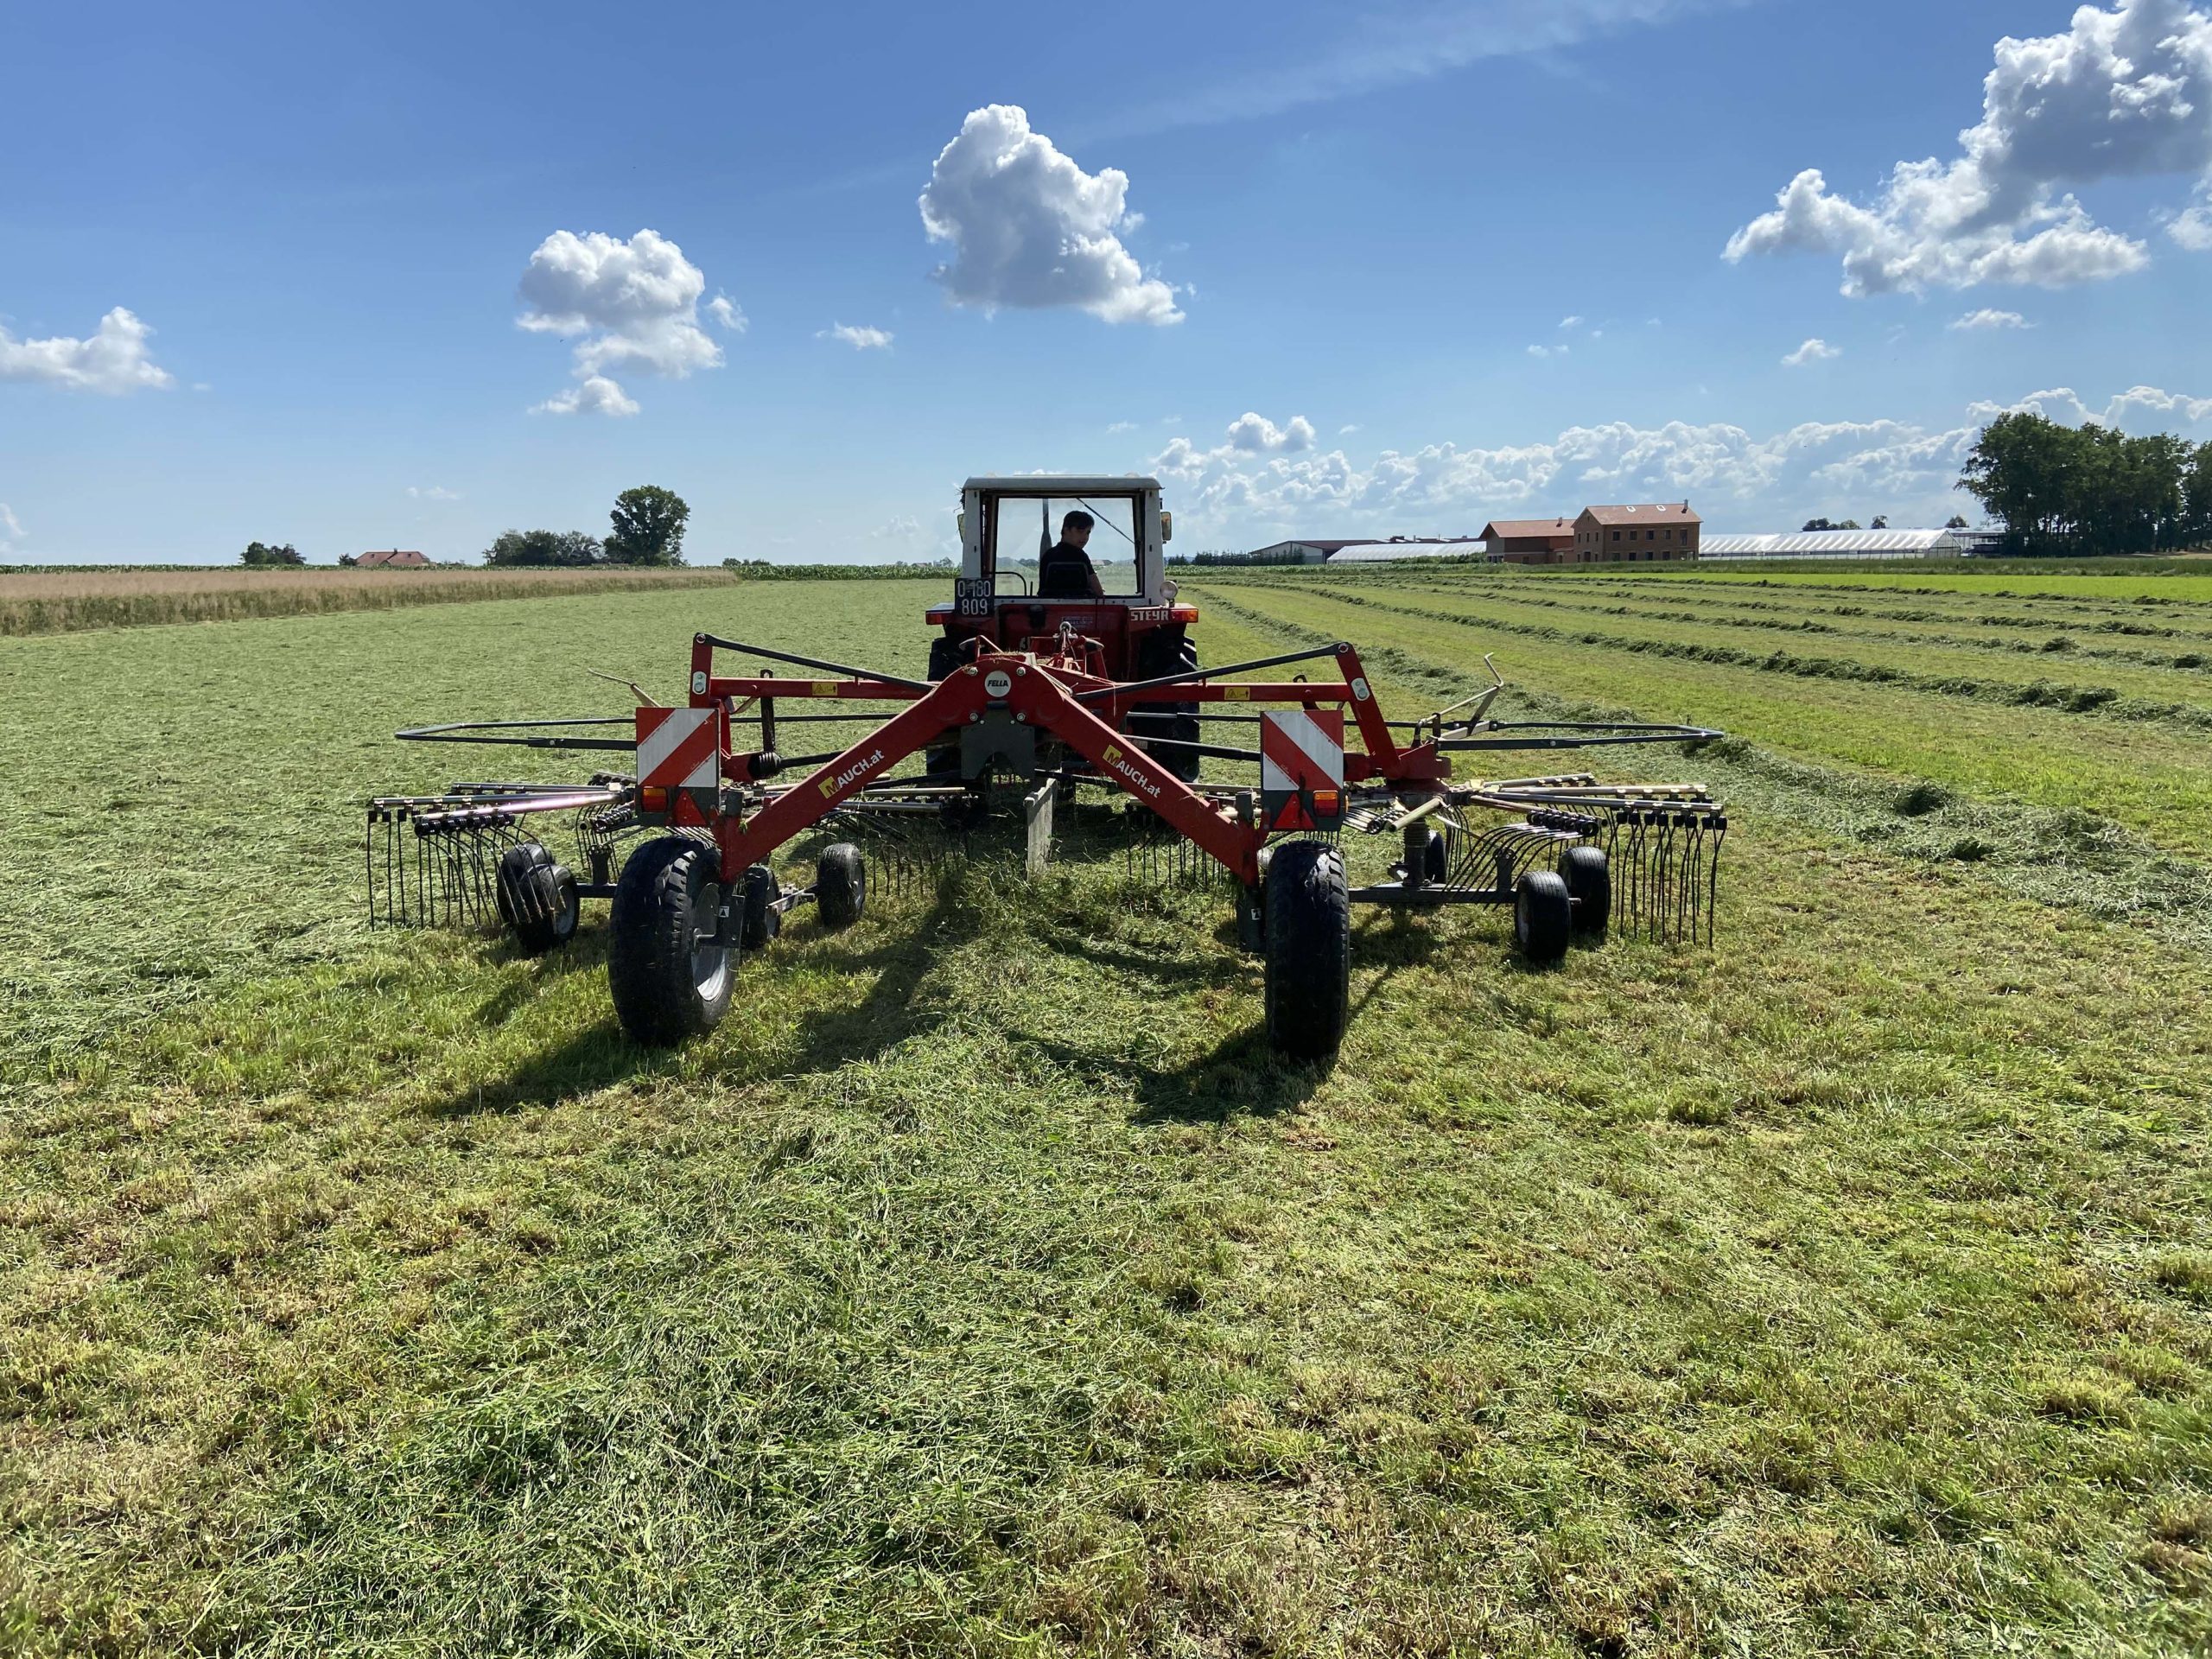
(645, 528)
(2088, 490)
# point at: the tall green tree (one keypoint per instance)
(648, 526)
(262, 556)
(2090, 489)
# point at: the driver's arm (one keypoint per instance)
(1090, 577)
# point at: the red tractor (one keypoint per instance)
(1133, 631)
(1055, 695)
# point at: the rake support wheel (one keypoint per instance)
(1543, 917)
(1589, 881)
(839, 885)
(666, 986)
(1308, 951)
(538, 898)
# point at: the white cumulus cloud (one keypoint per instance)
(1255, 433)
(1547, 351)
(1986, 318)
(435, 493)
(114, 359)
(2124, 93)
(859, 336)
(631, 305)
(2191, 228)
(1120, 426)
(724, 310)
(1813, 351)
(596, 395)
(11, 530)
(1734, 477)
(1030, 229)
(2138, 406)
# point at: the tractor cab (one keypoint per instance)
(1133, 631)
(1005, 526)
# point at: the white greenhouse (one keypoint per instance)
(1836, 544)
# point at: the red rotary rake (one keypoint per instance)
(1040, 689)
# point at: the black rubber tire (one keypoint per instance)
(761, 923)
(664, 991)
(839, 885)
(1589, 879)
(1436, 859)
(941, 764)
(1308, 950)
(537, 898)
(1542, 917)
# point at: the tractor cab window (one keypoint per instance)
(1024, 526)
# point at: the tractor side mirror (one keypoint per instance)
(1167, 526)
(960, 527)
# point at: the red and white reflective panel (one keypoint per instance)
(1301, 768)
(679, 748)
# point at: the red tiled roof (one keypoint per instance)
(1515, 528)
(1647, 512)
(392, 556)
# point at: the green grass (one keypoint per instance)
(982, 1287)
(2154, 581)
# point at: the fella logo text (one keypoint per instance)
(851, 774)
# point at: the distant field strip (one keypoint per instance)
(2154, 780)
(2129, 694)
(2054, 855)
(2150, 588)
(2061, 634)
(58, 601)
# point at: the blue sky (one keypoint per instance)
(1391, 269)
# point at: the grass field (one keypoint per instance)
(983, 1286)
(55, 601)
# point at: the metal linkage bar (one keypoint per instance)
(470, 731)
(1572, 735)
(1194, 676)
(815, 663)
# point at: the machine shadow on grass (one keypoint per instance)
(599, 1056)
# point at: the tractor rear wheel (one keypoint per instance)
(1589, 881)
(538, 898)
(1178, 721)
(1543, 916)
(941, 762)
(839, 885)
(1308, 950)
(666, 985)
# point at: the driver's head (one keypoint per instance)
(1075, 529)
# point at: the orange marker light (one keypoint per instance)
(653, 799)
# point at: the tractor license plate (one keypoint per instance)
(972, 596)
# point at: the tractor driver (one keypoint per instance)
(1064, 571)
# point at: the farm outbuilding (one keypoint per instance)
(1530, 541)
(1839, 544)
(392, 559)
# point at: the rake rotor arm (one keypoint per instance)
(750, 841)
(521, 733)
(1046, 703)
(704, 646)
